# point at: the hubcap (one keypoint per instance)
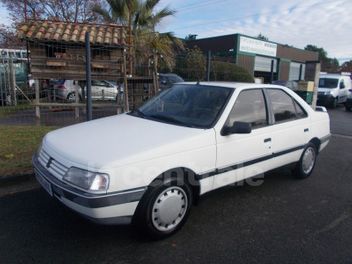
(169, 208)
(72, 97)
(308, 160)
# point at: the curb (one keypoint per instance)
(16, 178)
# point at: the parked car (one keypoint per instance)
(348, 104)
(65, 89)
(104, 90)
(293, 85)
(166, 80)
(148, 166)
(333, 89)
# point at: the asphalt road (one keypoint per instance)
(282, 221)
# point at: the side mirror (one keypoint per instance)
(237, 128)
(342, 85)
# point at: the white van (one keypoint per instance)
(333, 89)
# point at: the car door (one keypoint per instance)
(290, 128)
(110, 91)
(240, 156)
(95, 89)
(343, 91)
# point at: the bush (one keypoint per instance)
(225, 71)
(191, 65)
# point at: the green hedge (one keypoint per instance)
(225, 71)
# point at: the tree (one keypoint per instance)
(262, 37)
(141, 19)
(8, 38)
(347, 66)
(191, 65)
(327, 64)
(323, 55)
(191, 37)
(63, 10)
(225, 71)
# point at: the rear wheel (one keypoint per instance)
(164, 208)
(71, 97)
(305, 166)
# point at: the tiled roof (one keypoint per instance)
(107, 35)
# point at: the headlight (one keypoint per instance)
(92, 181)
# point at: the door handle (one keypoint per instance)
(267, 140)
(306, 129)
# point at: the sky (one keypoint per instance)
(324, 23)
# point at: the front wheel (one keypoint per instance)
(164, 208)
(305, 166)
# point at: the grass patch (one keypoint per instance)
(8, 110)
(17, 145)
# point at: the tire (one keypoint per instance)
(306, 164)
(71, 97)
(334, 103)
(164, 208)
(348, 108)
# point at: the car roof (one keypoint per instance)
(334, 76)
(234, 85)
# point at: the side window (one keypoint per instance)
(249, 107)
(282, 105)
(342, 84)
(300, 111)
(98, 83)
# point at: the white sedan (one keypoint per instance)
(148, 166)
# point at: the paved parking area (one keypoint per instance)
(282, 221)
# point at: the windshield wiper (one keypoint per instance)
(168, 119)
(138, 113)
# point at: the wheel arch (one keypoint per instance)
(183, 175)
(316, 141)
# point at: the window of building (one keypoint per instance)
(55, 52)
(101, 54)
(249, 107)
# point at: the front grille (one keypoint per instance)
(52, 165)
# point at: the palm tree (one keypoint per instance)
(142, 19)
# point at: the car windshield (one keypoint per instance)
(187, 105)
(328, 82)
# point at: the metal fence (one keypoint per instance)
(63, 102)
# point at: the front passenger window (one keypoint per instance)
(250, 108)
(282, 105)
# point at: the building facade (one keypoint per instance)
(257, 56)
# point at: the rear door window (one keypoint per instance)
(284, 107)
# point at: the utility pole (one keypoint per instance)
(12, 81)
(209, 65)
(88, 78)
(2, 94)
(272, 71)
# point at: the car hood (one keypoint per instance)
(121, 140)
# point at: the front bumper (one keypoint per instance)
(325, 100)
(111, 208)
